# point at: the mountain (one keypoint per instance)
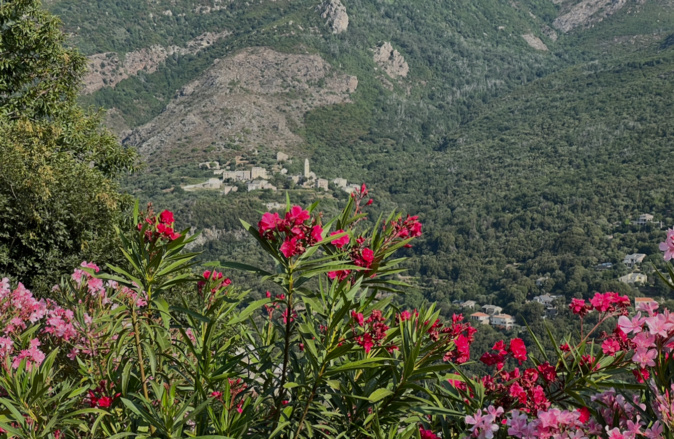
(528, 134)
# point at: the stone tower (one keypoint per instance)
(306, 168)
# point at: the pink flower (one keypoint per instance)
(645, 357)
(269, 221)
(518, 350)
(644, 340)
(635, 325)
(289, 248)
(297, 215)
(578, 307)
(615, 433)
(610, 347)
(317, 233)
(655, 432)
(340, 242)
(659, 325)
(668, 245)
(483, 426)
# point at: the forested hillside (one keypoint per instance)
(528, 135)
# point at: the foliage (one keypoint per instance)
(58, 196)
(326, 356)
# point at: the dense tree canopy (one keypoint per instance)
(58, 195)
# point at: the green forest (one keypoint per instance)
(522, 164)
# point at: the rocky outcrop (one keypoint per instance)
(534, 42)
(255, 97)
(334, 12)
(586, 12)
(108, 70)
(391, 61)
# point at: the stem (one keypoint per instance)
(139, 350)
(286, 348)
(309, 401)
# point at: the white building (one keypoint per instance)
(480, 318)
(307, 171)
(468, 304)
(340, 182)
(644, 219)
(541, 281)
(258, 173)
(545, 299)
(633, 278)
(502, 320)
(634, 259)
(236, 175)
(322, 183)
(492, 309)
(212, 183)
(257, 185)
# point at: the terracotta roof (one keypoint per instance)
(479, 314)
(643, 299)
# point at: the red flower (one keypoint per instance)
(641, 375)
(579, 307)
(289, 247)
(166, 217)
(610, 347)
(517, 392)
(427, 434)
(317, 233)
(365, 341)
(297, 215)
(565, 347)
(518, 350)
(584, 414)
(340, 242)
(269, 221)
(404, 316)
(339, 274)
(358, 317)
(548, 371)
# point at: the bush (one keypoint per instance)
(327, 354)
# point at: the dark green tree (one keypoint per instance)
(59, 199)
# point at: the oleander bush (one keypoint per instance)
(149, 349)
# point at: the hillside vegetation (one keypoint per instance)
(524, 163)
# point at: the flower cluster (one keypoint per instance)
(296, 231)
(553, 423)
(454, 340)
(159, 227)
(484, 424)
(236, 387)
(214, 277)
(374, 330)
(516, 350)
(607, 303)
(103, 396)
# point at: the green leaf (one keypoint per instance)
(379, 394)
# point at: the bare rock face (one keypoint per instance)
(586, 12)
(335, 14)
(255, 97)
(391, 61)
(534, 42)
(108, 70)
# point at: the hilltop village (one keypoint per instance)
(257, 178)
